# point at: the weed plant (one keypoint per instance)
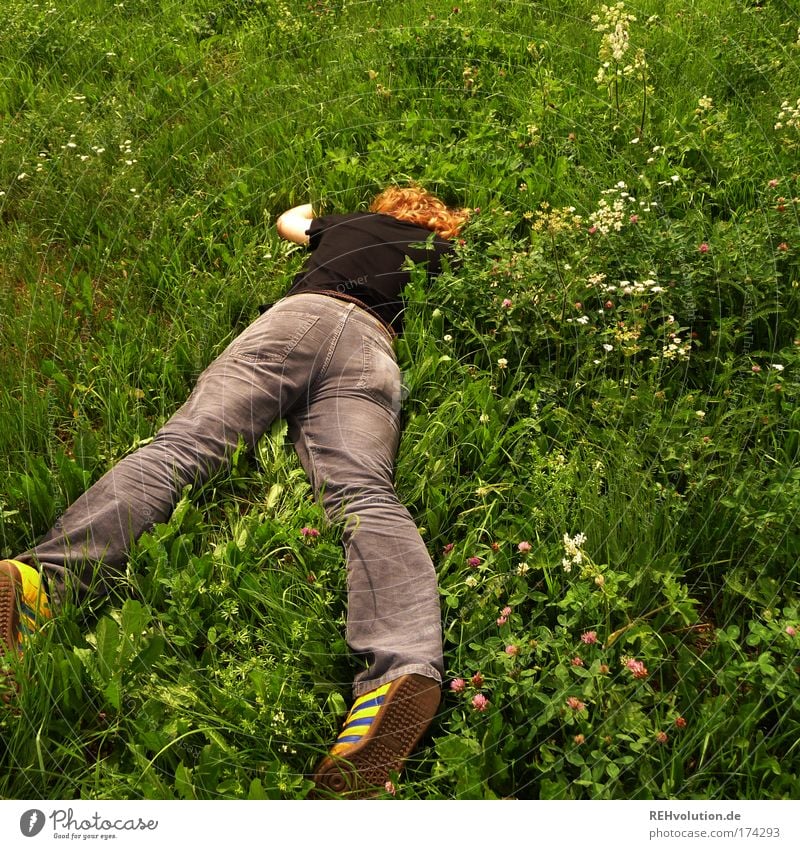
(601, 431)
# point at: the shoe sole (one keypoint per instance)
(10, 588)
(364, 769)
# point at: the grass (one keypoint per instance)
(146, 151)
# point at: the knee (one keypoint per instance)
(347, 501)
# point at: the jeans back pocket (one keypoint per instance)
(380, 375)
(272, 337)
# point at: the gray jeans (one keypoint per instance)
(328, 368)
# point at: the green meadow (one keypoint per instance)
(601, 427)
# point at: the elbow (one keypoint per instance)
(293, 224)
(280, 225)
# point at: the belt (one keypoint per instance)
(391, 332)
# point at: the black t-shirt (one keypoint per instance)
(362, 255)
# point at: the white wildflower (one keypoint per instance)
(789, 116)
(613, 23)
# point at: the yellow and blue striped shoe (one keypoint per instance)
(23, 604)
(382, 729)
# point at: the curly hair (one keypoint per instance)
(418, 206)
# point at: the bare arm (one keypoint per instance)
(293, 223)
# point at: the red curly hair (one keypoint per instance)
(418, 206)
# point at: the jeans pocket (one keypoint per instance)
(272, 337)
(380, 375)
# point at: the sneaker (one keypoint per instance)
(382, 729)
(23, 603)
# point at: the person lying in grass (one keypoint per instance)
(322, 357)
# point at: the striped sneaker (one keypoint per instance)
(23, 603)
(382, 729)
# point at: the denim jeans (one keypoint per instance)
(329, 369)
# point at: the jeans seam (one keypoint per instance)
(332, 347)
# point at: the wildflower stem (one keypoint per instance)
(644, 99)
(560, 277)
(612, 638)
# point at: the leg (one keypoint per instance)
(347, 438)
(257, 379)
